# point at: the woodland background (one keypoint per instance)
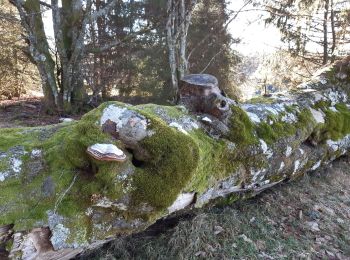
(137, 51)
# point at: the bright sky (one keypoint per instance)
(250, 27)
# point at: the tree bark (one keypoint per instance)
(334, 39)
(183, 39)
(179, 19)
(63, 91)
(31, 19)
(173, 162)
(325, 32)
(171, 42)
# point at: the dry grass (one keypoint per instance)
(306, 219)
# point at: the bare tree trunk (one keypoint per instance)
(186, 16)
(31, 20)
(325, 33)
(183, 40)
(334, 39)
(101, 27)
(179, 18)
(171, 41)
(64, 91)
(73, 38)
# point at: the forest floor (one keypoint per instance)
(25, 112)
(305, 219)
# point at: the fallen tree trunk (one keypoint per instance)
(56, 181)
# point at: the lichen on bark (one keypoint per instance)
(172, 156)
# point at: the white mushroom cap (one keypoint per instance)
(106, 152)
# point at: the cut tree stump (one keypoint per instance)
(200, 93)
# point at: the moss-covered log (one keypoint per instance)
(174, 159)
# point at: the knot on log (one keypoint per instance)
(200, 93)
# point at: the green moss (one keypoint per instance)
(244, 133)
(177, 162)
(18, 197)
(290, 109)
(25, 137)
(66, 153)
(65, 157)
(337, 123)
(241, 128)
(79, 230)
(343, 84)
(274, 132)
(174, 112)
(23, 201)
(271, 133)
(261, 100)
(174, 158)
(215, 162)
(3, 164)
(276, 177)
(306, 124)
(331, 76)
(266, 132)
(320, 105)
(227, 200)
(10, 193)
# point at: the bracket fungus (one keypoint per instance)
(106, 152)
